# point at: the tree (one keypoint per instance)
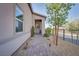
(73, 26)
(57, 15)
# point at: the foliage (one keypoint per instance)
(73, 26)
(46, 35)
(32, 31)
(58, 12)
(53, 31)
(47, 32)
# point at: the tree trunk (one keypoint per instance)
(56, 34)
(56, 29)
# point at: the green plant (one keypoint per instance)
(32, 31)
(47, 32)
(52, 31)
(46, 35)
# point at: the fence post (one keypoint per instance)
(63, 34)
(72, 36)
(77, 38)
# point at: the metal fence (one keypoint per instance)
(69, 36)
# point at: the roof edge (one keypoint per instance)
(39, 14)
(35, 12)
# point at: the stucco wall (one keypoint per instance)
(43, 26)
(7, 28)
(27, 17)
(37, 17)
(6, 21)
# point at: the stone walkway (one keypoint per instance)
(39, 46)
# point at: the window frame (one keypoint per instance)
(19, 20)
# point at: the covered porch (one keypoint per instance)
(39, 23)
(38, 26)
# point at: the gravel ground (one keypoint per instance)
(64, 48)
(39, 46)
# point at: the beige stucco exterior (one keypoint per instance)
(7, 20)
(10, 41)
(37, 17)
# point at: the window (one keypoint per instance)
(19, 19)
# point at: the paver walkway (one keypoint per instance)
(39, 46)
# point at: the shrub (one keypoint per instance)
(46, 35)
(52, 31)
(47, 32)
(32, 31)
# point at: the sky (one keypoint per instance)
(74, 13)
(39, 8)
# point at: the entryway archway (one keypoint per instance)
(38, 26)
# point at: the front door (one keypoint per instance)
(38, 26)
